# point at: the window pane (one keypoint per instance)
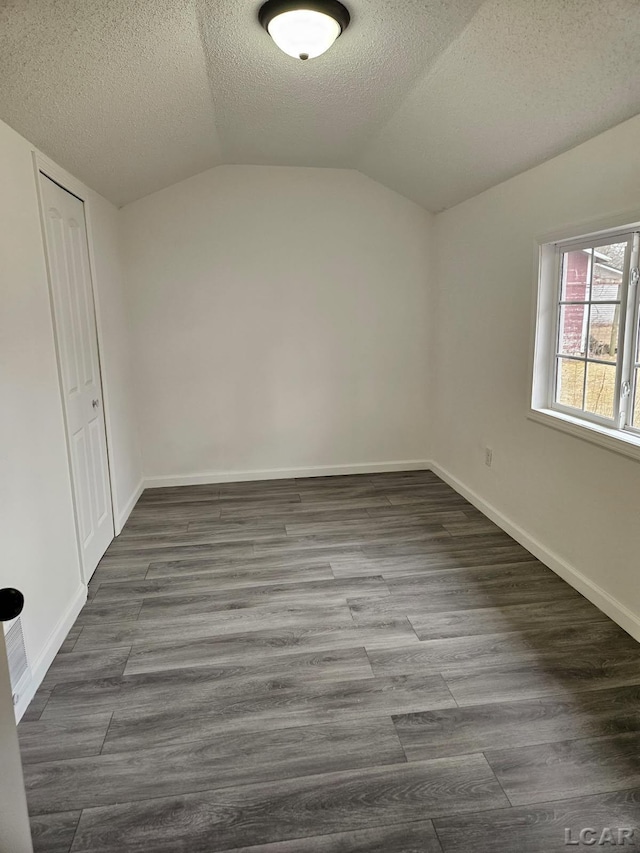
(573, 329)
(576, 272)
(608, 272)
(570, 383)
(601, 389)
(636, 410)
(603, 331)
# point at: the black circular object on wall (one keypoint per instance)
(11, 604)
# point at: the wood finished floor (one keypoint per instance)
(341, 665)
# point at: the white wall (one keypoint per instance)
(125, 460)
(281, 320)
(38, 552)
(579, 501)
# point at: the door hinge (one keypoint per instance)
(635, 276)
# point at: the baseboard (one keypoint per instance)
(285, 473)
(57, 637)
(121, 520)
(615, 609)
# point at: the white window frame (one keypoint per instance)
(617, 434)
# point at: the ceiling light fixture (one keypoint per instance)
(304, 29)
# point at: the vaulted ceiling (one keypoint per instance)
(437, 99)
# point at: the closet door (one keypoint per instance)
(79, 368)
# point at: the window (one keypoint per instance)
(587, 357)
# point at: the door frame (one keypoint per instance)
(42, 164)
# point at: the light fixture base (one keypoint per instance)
(333, 8)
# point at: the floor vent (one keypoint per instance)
(16, 654)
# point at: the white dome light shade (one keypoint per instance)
(304, 34)
(304, 29)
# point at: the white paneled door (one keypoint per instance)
(79, 368)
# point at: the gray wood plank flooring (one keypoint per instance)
(307, 805)
(542, 828)
(354, 664)
(218, 762)
(418, 837)
(54, 833)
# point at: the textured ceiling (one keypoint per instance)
(437, 99)
(526, 80)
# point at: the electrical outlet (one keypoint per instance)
(488, 457)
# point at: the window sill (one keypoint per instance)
(619, 442)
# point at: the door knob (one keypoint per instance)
(11, 604)
(95, 403)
